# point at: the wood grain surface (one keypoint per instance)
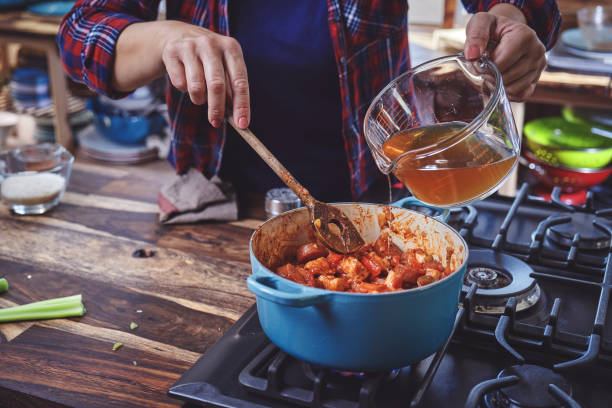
(183, 298)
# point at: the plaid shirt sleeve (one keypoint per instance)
(88, 35)
(542, 16)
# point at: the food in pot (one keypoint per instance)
(376, 268)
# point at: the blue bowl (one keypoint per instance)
(353, 331)
(51, 8)
(123, 127)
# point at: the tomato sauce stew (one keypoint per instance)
(375, 268)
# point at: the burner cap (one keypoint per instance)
(487, 278)
(499, 277)
(532, 389)
(591, 237)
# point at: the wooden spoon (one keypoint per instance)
(332, 226)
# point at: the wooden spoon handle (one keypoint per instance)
(274, 164)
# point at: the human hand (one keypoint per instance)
(519, 54)
(211, 68)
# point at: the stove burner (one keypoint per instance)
(487, 278)
(582, 223)
(341, 379)
(531, 391)
(499, 277)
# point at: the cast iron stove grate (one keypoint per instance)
(261, 375)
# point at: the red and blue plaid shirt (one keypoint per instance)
(371, 48)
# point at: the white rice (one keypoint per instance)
(32, 189)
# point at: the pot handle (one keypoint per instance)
(272, 288)
(407, 201)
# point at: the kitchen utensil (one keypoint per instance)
(465, 100)
(596, 27)
(352, 331)
(561, 143)
(33, 178)
(334, 228)
(570, 180)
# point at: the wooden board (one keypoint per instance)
(183, 298)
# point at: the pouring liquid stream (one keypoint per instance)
(460, 173)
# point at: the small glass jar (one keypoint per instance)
(33, 179)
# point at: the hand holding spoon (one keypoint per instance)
(332, 226)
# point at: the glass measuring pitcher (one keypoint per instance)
(445, 130)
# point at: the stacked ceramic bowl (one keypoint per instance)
(29, 88)
(45, 126)
(573, 152)
(120, 128)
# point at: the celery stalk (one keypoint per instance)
(3, 285)
(70, 300)
(47, 309)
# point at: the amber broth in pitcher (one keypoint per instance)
(458, 174)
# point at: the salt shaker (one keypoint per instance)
(279, 200)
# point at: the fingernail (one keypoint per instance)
(216, 123)
(473, 52)
(242, 122)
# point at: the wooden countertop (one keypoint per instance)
(189, 293)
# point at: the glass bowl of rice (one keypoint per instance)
(33, 178)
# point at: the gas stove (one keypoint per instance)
(534, 326)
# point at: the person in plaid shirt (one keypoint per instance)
(314, 66)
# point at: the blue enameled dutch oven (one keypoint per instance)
(350, 331)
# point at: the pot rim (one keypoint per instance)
(403, 292)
